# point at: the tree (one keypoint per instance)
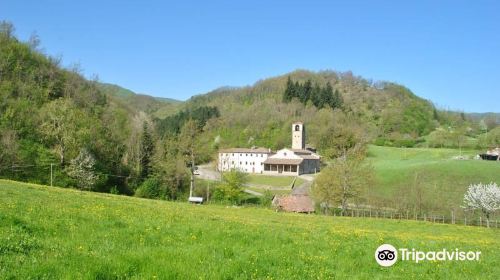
(327, 96)
(64, 126)
(459, 138)
(188, 139)
(343, 181)
(231, 188)
(316, 96)
(337, 100)
(306, 92)
(7, 29)
(485, 197)
(82, 170)
(147, 149)
(289, 90)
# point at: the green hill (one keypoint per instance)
(256, 115)
(157, 107)
(425, 180)
(54, 233)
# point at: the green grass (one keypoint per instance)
(53, 233)
(262, 190)
(443, 179)
(273, 181)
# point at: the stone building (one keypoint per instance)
(295, 161)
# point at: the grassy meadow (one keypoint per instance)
(273, 181)
(54, 233)
(441, 180)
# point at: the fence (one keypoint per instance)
(468, 218)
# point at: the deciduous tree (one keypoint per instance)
(485, 197)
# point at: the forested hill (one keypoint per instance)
(51, 115)
(155, 106)
(261, 115)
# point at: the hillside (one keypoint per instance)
(89, 235)
(157, 107)
(423, 180)
(256, 115)
(52, 116)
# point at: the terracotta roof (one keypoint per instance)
(283, 161)
(300, 151)
(294, 203)
(247, 150)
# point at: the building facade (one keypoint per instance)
(244, 160)
(292, 162)
(295, 161)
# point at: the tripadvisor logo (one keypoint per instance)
(387, 255)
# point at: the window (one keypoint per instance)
(246, 162)
(233, 154)
(261, 155)
(297, 127)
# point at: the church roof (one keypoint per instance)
(283, 161)
(301, 151)
(247, 150)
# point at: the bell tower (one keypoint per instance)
(298, 136)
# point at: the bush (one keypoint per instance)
(151, 188)
(267, 199)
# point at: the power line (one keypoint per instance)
(16, 168)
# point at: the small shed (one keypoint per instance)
(298, 203)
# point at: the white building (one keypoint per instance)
(295, 161)
(243, 159)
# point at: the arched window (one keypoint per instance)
(297, 127)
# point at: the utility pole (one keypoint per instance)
(208, 191)
(51, 174)
(192, 176)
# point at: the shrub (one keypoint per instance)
(151, 188)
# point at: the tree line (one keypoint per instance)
(319, 96)
(172, 125)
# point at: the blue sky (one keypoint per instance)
(445, 51)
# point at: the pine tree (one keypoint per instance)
(147, 148)
(288, 94)
(297, 90)
(307, 89)
(316, 96)
(326, 96)
(337, 100)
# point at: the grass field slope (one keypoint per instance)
(54, 233)
(430, 175)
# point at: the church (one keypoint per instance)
(292, 161)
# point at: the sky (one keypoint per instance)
(444, 51)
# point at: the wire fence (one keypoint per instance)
(15, 171)
(466, 217)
